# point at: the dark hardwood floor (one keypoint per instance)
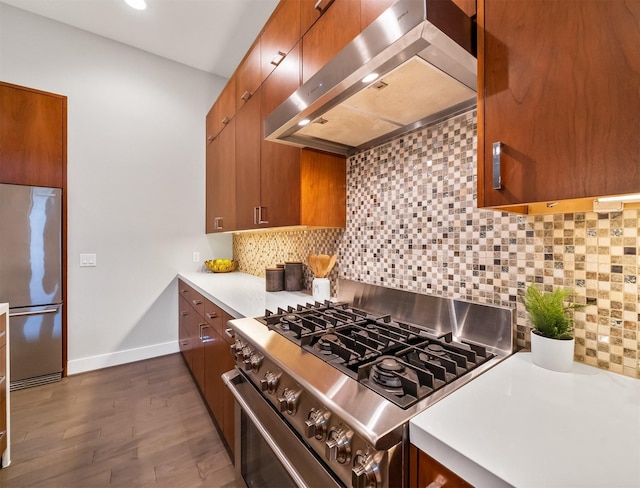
(136, 425)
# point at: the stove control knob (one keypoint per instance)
(246, 353)
(236, 349)
(365, 472)
(338, 445)
(270, 382)
(254, 362)
(289, 401)
(316, 423)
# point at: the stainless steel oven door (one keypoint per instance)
(268, 452)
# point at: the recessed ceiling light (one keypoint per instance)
(369, 78)
(137, 4)
(303, 122)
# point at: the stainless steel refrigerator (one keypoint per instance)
(31, 281)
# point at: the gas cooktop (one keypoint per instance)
(402, 362)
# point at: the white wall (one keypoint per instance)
(136, 188)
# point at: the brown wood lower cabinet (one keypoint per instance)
(425, 470)
(205, 344)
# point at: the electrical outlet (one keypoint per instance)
(196, 257)
(87, 260)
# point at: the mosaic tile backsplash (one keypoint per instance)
(412, 223)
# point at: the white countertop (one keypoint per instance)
(522, 425)
(242, 295)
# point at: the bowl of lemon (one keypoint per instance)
(220, 265)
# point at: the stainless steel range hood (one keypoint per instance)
(423, 53)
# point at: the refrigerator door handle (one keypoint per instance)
(35, 312)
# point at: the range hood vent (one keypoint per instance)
(424, 55)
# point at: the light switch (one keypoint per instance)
(87, 259)
(196, 257)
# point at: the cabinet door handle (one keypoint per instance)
(278, 58)
(204, 338)
(210, 138)
(439, 482)
(217, 223)
(497, 152)
(260, 220)
(245, 96)
(184, 313)
(35, 312)
(322, 5)
(184, 343)
(182, 290)
(196, 302)
(225, 120)
(228, 333)
(255, 215)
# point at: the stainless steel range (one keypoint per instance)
(330, 387)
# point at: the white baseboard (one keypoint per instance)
(76, 366)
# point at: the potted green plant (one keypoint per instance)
(552, 341)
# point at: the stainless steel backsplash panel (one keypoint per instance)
(489, 325)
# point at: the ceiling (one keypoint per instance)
(210, 35)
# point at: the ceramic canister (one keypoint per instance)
(293, 276)
(274, 279)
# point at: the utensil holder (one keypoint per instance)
(321, 289)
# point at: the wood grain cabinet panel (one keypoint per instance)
(248, 163)
(221, 181)
(248, 75)
(424, 470)
(223, 110)
(227, 364)
(32, 137)
(333, 31)
(558, 84)
(370, 10)
(281, 33)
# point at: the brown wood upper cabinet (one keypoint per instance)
(281, 33)
(370, 10)
(311, 11)
(248, 75)
(223, 110)
(558, 103)
(221, 181)
(333, 31)
(33, 127)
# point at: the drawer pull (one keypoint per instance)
(212, 315)
(228, 333)
(35, 312)
(204, 338)
(278, 58)
(196, 302)
(184, 313)
(184, 343)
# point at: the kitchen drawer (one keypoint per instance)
(227, 332)
(195, 299)
(213, 316)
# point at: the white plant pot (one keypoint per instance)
(552, 354)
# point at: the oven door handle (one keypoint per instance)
(231, 378)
